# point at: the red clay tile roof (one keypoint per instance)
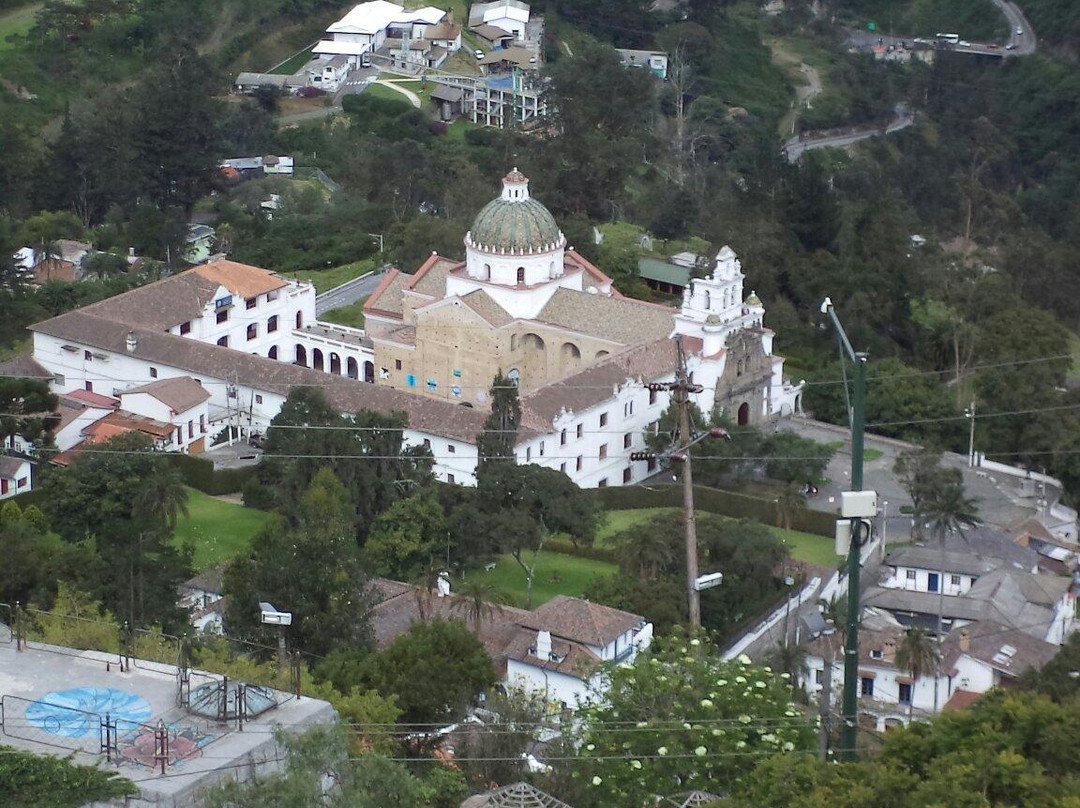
(961, 700)
(94, 399)
(582, 621)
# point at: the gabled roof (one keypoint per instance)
(10, 466)
(93, 399)
(24, 367)
(211, 580)
(487, 307)
(582, 620)
(119, 422)
(179, 394)
(241, 279)
(622, 320)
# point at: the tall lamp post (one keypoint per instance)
(851, 643)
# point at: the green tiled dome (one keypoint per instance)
(515, 222)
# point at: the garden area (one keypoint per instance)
(219, 530)
(556, 574)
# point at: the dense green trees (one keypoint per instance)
(96, 500)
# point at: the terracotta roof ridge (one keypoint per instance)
(381, 288)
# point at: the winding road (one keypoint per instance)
(794, 148)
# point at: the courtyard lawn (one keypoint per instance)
(817, 550)
(867, 455)
(217, 529)
(293, 63)
(556, 574)
(327, 279)
(352, 316)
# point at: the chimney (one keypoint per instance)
(443, 584)
(543, 644)
(131, 342)
(965, 641)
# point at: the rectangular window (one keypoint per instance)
(251, 302)
(626, 474)
(866, 687)
(451, 449)
(562, 468)
(528, 453)
(86, 355)
(153, 373)
(21, 482)
(252, 331)
(603, 452)
(818, 676)
(627, 439)
(450, 479)
(427, 443)
(89, 387)
(955, 580)
(602, 483)
(179, 436)
(603, 419)
(397, 364)
(258, 399)
(905, 693)
(223, 315)
(580, 431)
(651, 465)
(652, 396)
(876, 654)
(911, 575)
(185, 328)
(3, 486)
(190, 429)
(271, 296)
(579, 463)
(541, 448)
(202, 424)
(271, 324)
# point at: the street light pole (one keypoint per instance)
(851, 643)
(970, 413)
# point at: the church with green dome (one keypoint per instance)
(524, 303)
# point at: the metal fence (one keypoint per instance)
(317, 174)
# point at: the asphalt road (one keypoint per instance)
(347, 293)
(1025, 42)
(795, 147)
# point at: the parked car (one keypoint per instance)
(1011, 46)
(479, 54)
(1019, 31)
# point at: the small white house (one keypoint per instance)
(654, 61)
(180, 401)
(15, 476)
(328, 72)
(509, 15)
(204, 598)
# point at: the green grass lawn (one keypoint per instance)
(16, 21)
(326, 279)
(294, 63)
(218, 530)
(806, 547)
(556, 574)
(382, 91)
(352, 316)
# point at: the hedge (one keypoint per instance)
(199, 473)
(581, 551)
(715, 500)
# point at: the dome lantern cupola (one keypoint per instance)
(514, 239)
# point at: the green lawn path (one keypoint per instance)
(218, 530)
(556, 574)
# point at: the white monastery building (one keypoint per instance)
(223, 344)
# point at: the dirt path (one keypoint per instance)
(805, 92)
(414, 99)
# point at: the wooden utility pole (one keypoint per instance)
(682, 391)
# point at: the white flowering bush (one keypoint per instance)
(679, 718)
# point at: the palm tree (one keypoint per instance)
(789, 659)
(163, 498)
(948, 509)
(479, 600)
(790, 502)
(918, 655)
(643, 550)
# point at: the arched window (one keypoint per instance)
(514, 376)
(352, 368)
(316, 359)
(223, 342)
(272, 353)
(533, 342)
(602, 354)
(301, 356)
(521, 276)
(708, 300)
(271, 324)
(744, 414)
(513, 342)
(369, 372)
(570, 351)
(335, 364)
(299, 319)
(487, 273)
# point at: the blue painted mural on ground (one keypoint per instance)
(78, 712)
